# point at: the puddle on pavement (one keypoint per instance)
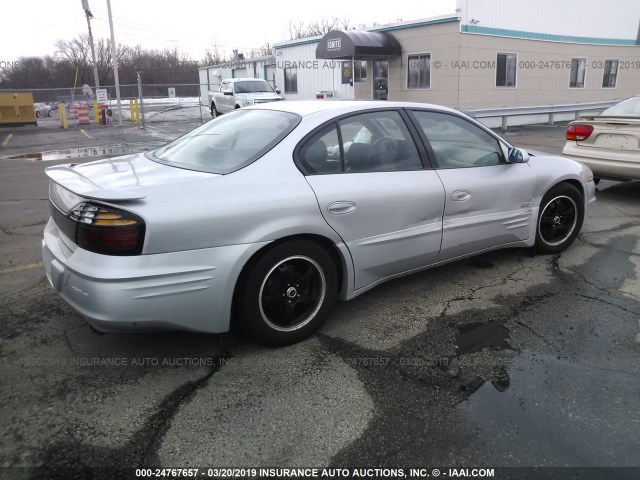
(474, 337)
(51, 155)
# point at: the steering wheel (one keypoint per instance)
(386, 145)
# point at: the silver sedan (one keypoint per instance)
(267, 215)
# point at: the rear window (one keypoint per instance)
(630, 107)
(229, 142)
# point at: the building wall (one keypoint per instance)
(615, 21)
(313, 75)
(441, 41)
(542, 76)
(463, 70)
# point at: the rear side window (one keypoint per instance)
(228, 143)
(321, 153)
(364, 143)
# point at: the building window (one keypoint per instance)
(290, 80)
(419, 71)
(506, 64)
(578, 69)
(360, 71)
(610, 73)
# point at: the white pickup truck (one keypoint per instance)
(241, 92)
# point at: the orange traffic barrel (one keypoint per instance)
(83, 115)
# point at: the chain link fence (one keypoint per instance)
(158, 103)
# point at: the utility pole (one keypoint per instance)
(115, 64)
(140, 97)
(89, 15)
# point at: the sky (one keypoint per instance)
(190, 25)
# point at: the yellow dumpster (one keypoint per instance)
(17, 109)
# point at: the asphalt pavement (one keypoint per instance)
(503, 360)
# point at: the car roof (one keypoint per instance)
(310, 107)
(241, 79)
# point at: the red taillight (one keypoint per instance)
(579, 132)
(107, 230)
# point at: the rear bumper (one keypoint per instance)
(605, 163)
(190, 290)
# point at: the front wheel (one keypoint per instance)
(560, 219)
(287, 293)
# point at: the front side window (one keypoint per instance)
(610, 73)
(578, 69)
(506, 64)
(227, 143)
(291, 80)
(419, 71)
(371, 142)
(458, 143)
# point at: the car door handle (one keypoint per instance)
(340, 208)
(460, 195)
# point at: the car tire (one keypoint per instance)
(214, 110)
(286, 294)
(49, 113)
(37, 114)
(560, 218)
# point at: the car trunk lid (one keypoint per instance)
(120, 178)
(613, 133)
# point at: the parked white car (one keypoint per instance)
(236, 93)
(42, 110)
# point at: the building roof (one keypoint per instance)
(379, 28)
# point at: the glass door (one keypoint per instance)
(381, 79)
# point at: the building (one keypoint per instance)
(486, 54)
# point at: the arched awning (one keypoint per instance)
(357, 44)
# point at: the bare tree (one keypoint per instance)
(211, 57)
(318, 27)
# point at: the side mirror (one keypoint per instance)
(278, 91)
(517, 155)
(228, 92)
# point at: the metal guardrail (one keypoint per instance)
(550, 110)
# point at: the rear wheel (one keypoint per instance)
(214, 110)
(37, 114)
(560, 219)
(287, 293)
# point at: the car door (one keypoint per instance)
(229, 100)
(488, 202)
(373, 190)
(221, 98)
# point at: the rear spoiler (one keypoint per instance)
(609, 118)
(74, 181)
